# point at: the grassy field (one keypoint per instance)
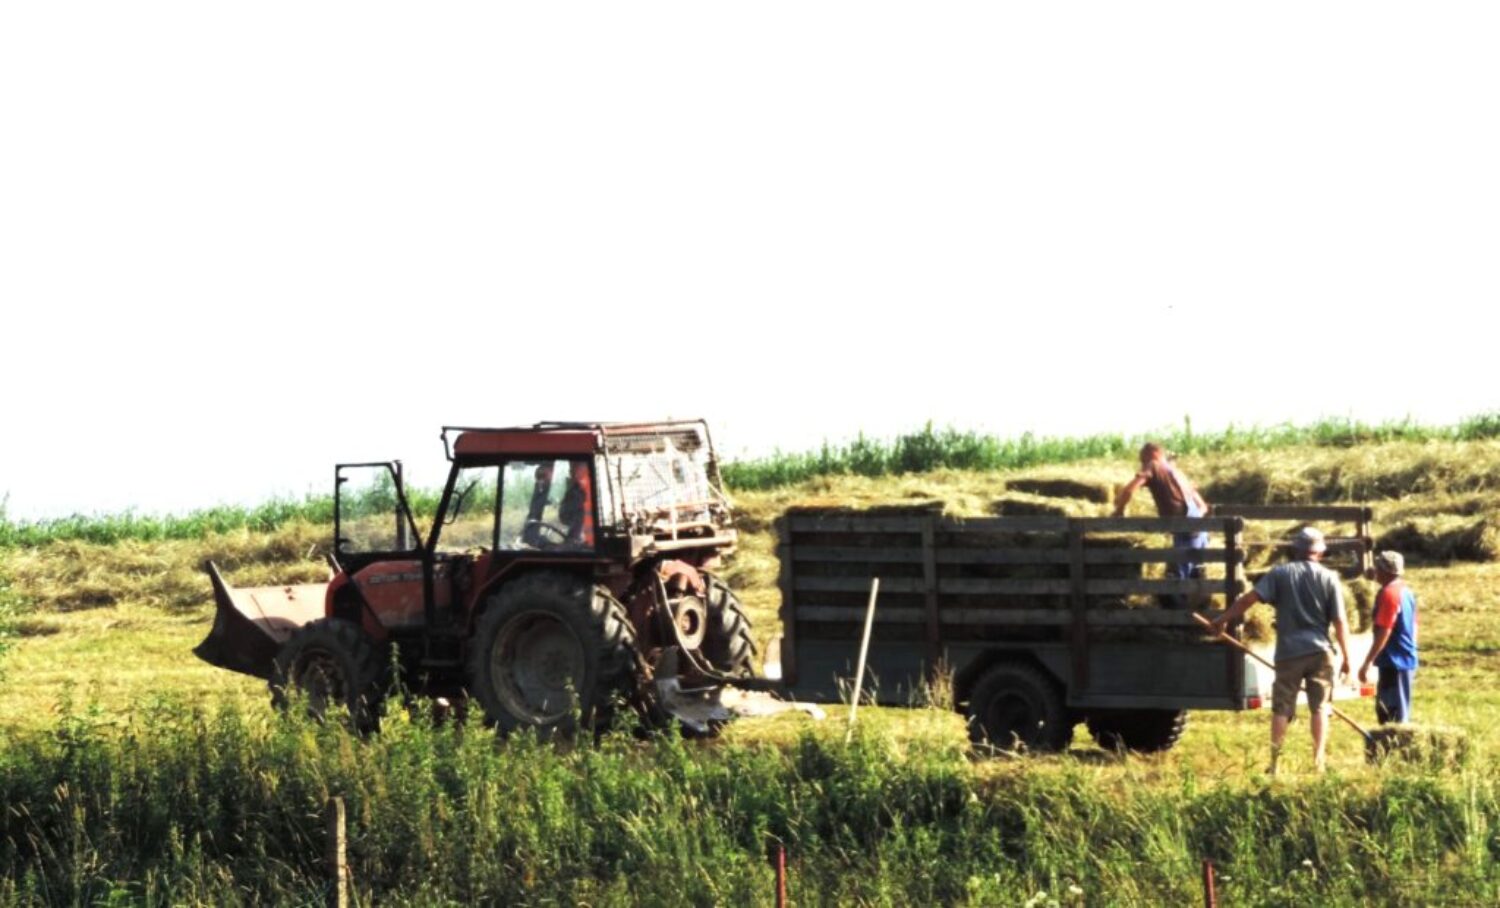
(131, 773)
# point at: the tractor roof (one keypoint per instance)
(547, 438)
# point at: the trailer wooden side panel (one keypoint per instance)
(1090, 600)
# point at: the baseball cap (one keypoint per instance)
(1309, 540)
(1390, 562)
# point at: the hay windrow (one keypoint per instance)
(73, 576)
(1445, 538)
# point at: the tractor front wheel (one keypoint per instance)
(551, 651)
(331, 662)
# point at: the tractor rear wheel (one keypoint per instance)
(1141, 730)
(332, 662)
(551, 651)
(1015, 706)
(727, 645)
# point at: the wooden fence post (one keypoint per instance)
(780, 875)
(336, 855)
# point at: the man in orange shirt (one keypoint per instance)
(1394, 651)
(576, 510)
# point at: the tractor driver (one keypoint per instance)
(576, 510)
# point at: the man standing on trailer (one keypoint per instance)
(1394, 651)
(1175, 496)
(1309, 598)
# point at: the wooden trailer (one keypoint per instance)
(1037, 623)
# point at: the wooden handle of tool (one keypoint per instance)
(1235, 643)
(1269, 664)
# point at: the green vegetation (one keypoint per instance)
(108, 529)
(953, 449)
(182, 805)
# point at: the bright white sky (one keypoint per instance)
(241, 242)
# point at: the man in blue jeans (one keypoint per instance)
(1394, 651)
(1175, 496)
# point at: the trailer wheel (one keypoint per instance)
(331, 662)
(1015, 706)
(1141, 730)
(550, 652)
(727, 644)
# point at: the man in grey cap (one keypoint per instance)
(1309, 598)
(1394, 650)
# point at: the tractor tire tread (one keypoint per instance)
(610, 645)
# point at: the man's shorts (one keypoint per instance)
(1314, 668)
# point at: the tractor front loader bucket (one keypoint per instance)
(250, 624)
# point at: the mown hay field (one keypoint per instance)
(132, 772)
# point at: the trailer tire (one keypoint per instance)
(551, 652)
(1015, 706)
(1143, 731)
(727, 645)
(332, 661)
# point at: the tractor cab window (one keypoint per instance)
(547, 504)
(371, 513)
(469, 521)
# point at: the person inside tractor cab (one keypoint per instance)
(576, 510)
(533, 534)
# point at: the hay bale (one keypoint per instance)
(1062, 487)
(1429, 746)
(1021, 504)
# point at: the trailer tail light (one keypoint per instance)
(1254, 703)
(1367, 690)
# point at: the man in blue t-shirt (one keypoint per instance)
(1394, 651)
(1309, 599)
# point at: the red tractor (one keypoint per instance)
(569, 568)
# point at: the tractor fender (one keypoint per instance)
(682, 577)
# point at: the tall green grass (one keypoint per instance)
(191, 807)
(107, 529)
(916, 452)
(932, 449)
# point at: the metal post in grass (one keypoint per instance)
(336, 855)
(1210, 898)
(780, 875)
(864, 650)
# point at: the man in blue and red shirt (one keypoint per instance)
(1394, 651)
